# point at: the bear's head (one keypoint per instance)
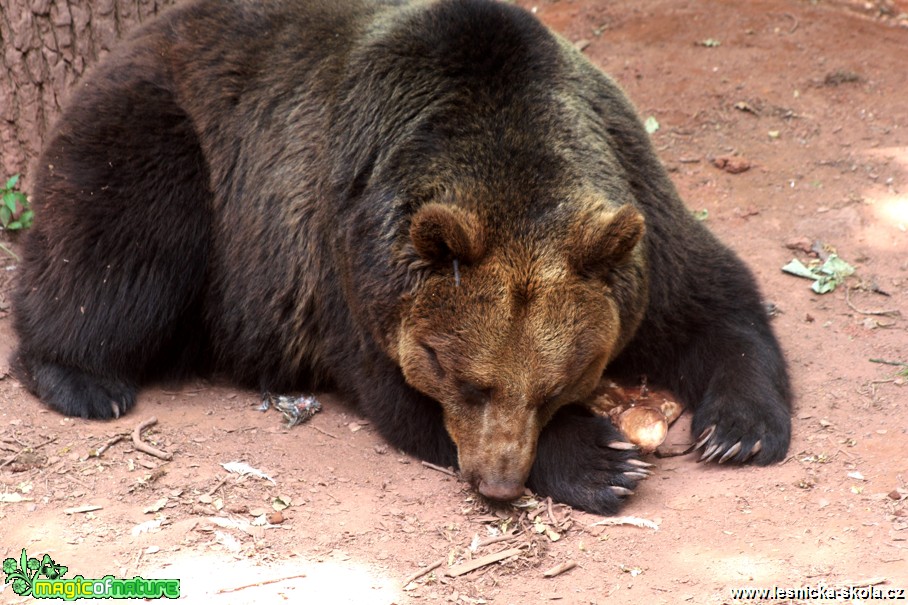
(507, 325)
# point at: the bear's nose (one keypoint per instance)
(497, 490)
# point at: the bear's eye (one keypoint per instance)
(475, 394)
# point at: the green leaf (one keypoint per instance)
(27, 218)
(824, 285)
(14, 226)
(9, 200)
(796, 267)
(12, 181)
(836, 267)
(651, 125)
(5, 216)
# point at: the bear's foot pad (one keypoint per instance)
(77, 393)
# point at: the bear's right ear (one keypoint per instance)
(606, 240)
(441, 232)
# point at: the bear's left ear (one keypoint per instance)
(606, 240)
(441, 232)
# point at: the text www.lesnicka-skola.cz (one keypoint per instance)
(822, 593)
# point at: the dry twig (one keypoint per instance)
(467, 567)
(12, 458)
(423, 572)
(262, 583)
(635, 521)
(144, 447)
(323, 431)
(502, 538)
(886, 312)
(559, 569)
(440, 469)
(110, 443)
(219, 485)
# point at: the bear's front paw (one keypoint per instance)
(76, 393)
(582, 460)
(742, 432)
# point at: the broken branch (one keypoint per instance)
(144, 447)
(423, 572)
(559, 569)
(111, 442)
(459, 570)
(262, 583)
(440, 469)
(12, 458)
(635, 521)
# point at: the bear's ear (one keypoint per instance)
(441, 232)
(606, 240)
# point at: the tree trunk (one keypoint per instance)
(47, 45)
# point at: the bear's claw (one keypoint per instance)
(704, 437)
(732, 451)
(640, 463)
(622, 445)
(710, 452)
(583, 461)
(621, 491)
(714, 451)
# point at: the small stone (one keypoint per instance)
(732, 164)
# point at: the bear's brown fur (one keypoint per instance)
(439, 209)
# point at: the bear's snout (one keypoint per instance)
(496, 447)
(500, 490)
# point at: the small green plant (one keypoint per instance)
(15, 213)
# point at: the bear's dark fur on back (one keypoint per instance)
(438, 209)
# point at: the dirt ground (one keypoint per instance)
(813, 98)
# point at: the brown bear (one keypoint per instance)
(440, 210)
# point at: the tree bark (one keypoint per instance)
(46, 47)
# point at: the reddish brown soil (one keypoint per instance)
(813, 96)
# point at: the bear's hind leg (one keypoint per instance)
(112, 272)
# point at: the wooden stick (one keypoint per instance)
(459, 570)
(82, 509)
(502, 538)
(219, 485)
(111, 442)
(559, 569)
(887, 362)
(887, 312)
(12, 458)
(635, 521)
(440, 469)
(423, 572)
(323, 431)
(262, 583)
(144, 447)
